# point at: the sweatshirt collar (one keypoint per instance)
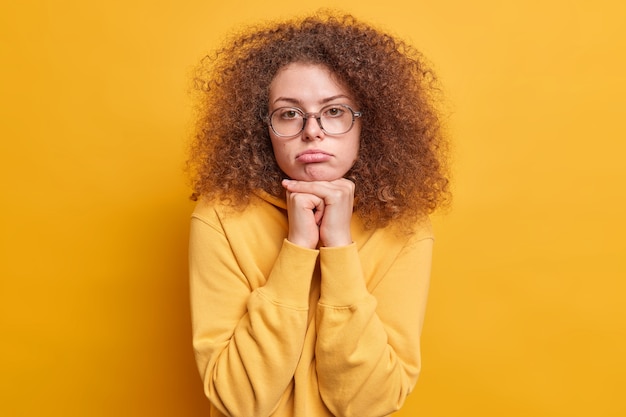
(276, 201)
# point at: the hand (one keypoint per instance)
(320, 211)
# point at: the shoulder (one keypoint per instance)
(213, 211)
(406, 233)
(206, 211)
(422, 229)
(217, 212)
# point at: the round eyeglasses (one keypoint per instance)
(334, 119)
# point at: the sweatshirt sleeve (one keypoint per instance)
(368, 345)
(247, 341)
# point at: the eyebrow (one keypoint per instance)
(323, 101)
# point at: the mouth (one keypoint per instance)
(313, 156)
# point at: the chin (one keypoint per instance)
(312, 173)
(320, 177)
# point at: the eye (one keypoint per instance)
(289, 114)
(335, 111)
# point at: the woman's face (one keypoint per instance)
(312, 155)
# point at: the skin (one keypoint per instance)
(319, 199)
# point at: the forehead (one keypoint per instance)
(305, 82)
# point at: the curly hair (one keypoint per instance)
(401, 171)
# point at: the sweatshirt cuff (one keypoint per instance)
(342, 276)
(290, 280)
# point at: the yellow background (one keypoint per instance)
(526, 315)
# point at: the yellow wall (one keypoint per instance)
(526, 315)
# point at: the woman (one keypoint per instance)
(318, 157)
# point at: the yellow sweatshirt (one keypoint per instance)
(281, 330)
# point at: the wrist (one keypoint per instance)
(302, 242)
(337, 242)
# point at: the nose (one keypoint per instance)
(312, 128)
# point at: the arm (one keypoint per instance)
(367, 351)
(247, 341)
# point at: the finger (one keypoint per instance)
(324, 189)
(305, 201)
(319, 212)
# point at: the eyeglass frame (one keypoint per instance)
(316, 115)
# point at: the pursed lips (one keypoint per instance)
(313, 155)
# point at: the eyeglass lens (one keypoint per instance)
(290, 121)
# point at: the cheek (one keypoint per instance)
(356, 146)
(275, 146)
(280, 153)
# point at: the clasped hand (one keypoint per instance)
(319, 212)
